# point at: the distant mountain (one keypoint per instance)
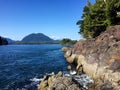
(57, 41)
(3, 41)
(37, 38)
(10, 40)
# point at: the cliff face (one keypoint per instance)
(3, 41)
(99, 58)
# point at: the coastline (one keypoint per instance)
(99, 58)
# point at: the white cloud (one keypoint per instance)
(56, 37)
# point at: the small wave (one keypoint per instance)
(84, 80)
(36, 79)
(50, 74)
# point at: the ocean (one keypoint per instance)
(22, 65)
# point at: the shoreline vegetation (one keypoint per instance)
(97, 17)
(67, 42)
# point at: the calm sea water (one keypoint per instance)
(21, 63)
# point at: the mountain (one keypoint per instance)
(3, 41)
(9, 40)
(37, 38)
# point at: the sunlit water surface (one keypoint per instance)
(19, 64)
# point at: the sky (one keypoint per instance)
(54, 18)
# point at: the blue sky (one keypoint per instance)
(54, 18)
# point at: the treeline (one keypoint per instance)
(67, 41)
(3, 41)
(97, 17)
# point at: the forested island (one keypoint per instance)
(3, 41)
(67, 41)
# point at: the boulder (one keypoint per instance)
(59, 74)
(72, 58)
(65, 49)
(68, 54)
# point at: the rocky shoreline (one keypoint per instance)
(99, 58)
(62, 81)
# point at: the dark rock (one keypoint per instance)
(106, 86)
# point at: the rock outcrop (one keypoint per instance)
(57, 82)
(65, 49)
(99, 58)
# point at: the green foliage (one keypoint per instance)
(98, 16)
(67, 41)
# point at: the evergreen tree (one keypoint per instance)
(67, 41)
(98, 16)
